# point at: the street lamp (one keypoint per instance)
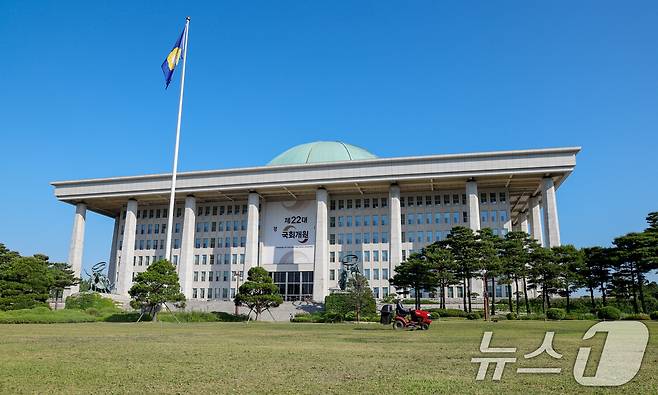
(237, 277)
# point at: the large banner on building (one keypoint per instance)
(288, 232)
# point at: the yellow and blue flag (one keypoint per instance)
(174, 57)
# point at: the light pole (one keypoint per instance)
(237, 276)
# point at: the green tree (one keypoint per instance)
(571, 265)
(487, 249)
(636, 252)
(514, 258)
(596, 273)
(359, 294)
(461, 242)
(259, 292)
(415, 273)
(6, 255)
(444, 267)
(25, 282)
(543, 274)
(156, 286)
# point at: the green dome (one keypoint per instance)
(321, 151)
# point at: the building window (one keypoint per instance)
(341, 204)
(332, 256)
(332, 222)
(332, 275)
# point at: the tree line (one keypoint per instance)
(29, 281)
(519, 261)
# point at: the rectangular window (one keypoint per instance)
(375, 292)
(332, 256)
(348, 238)
(384, 202)
(384, 237)
(375, 274)
(357, 203)
(492, 197)
(375, 256)
(341, 204)
(366, 220)
(332, 205)
(446, 199)
(455, 217)
(332, 275)
(455, 198)
(196, 276)
(384, 220)
(375, 203)
(332, 222)
(366, 203)
(357, 238)
(196, 259)
(349, 204)
(385, 259)
(366, 256)
(375, 237)
(375, 220)
(349, 220)
(332, 239)
(366, 237)
(502, 197)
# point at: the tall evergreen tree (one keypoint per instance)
(488, 247)
(570, 264)
(461, 243)
(155, 287)
(444, 267)
(416, 273)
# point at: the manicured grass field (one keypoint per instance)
(292, 358)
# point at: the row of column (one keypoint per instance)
(120, 270)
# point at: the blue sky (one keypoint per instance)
(83, 95)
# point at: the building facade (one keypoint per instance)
(312, 207)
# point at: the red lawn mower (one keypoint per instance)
(417, 319)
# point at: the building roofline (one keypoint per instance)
(272, 168)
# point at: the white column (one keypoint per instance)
(549, 204)
(523, 222)
(473, 203)
(186, 259)
(251, 247)
(395, 240)
(321, 268)
(77, 245)
(535, 219)
(112, 264)
(127, 249)
(473, 207)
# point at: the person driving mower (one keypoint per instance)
(418, 319)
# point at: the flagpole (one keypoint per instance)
(172, 198)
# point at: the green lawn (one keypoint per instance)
(290, 358)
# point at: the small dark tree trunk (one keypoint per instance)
(635, 306)
(640, 283)
(603, 296)
(485, 297)
(525, 295)
(469, 294)
(516, 282)
(568, 306)
(591, 297)
(464, 295)
(509, 297)
(493, 295)
(417, 299)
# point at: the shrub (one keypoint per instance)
(511, 316)
(88, 300)
(473, 316)
(637, 317)
(332, 317)
(555, 314)
(126, 317)
(654, 315)
(340, 303)
(609, 313)
(448, 312)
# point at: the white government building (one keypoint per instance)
(300, 214)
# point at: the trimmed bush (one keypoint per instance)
(43, 315)
(473, 316)
(637, 317)
(555, 314)
(654, 315)
(511, 316)
(609, 313)
(449, 312)
(339, 303)
(93, 300)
